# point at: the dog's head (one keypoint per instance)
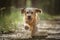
(30, 13)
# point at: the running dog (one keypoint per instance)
(30, 17)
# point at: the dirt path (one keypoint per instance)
(47, 30)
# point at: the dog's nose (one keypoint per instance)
(29, 17)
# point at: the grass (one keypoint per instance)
(45, 16)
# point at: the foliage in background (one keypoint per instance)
(45, 16)
(10, 22)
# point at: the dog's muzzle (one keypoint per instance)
(29, 17)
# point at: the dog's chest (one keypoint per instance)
(31, 22)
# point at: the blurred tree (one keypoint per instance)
(28, 3)
(57, 7)
(18, 3)
(50, 6)
(5, 7)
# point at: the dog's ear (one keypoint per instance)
(22, 10)
(38, 10)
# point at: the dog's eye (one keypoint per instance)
(27, 12)
(31, 12)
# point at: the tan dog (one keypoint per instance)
(30, 17)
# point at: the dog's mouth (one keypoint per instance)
(29, 18)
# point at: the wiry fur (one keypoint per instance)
(34, 17)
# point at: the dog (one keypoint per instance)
(30, 17)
